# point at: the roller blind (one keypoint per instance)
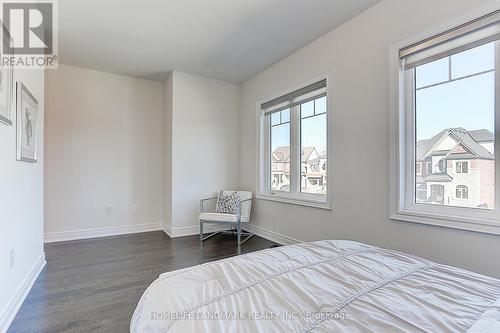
(469, 35)
(310, 92)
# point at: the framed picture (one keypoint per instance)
(27, 124)
(6, 84)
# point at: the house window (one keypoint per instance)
(444, 112)
(442, 165)
(419, 168)
(429, 168)
(462, 192)
(462, 167)
(437, 194)
(293, 154)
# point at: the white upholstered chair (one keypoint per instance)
(234, 220)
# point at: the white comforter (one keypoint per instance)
(327, 286)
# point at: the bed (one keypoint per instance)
(325, 286)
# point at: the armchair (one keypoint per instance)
(233, 220)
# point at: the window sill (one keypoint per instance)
(488, 226)
(295, 201)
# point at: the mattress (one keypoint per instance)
(326, 286)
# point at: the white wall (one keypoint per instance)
(104, 147)
(356, 53)
(204, 143)
(21, 207)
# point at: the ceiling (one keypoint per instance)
(229, 40)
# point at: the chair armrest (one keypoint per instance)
(246, 200)
(202, 202)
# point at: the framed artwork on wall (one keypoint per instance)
(6, 84)
(27, 124)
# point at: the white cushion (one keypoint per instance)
(221, 217)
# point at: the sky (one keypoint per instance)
(463, 102)
(467, 103)
(313, 129)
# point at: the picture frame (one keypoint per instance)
(27, 124)
(6, 84)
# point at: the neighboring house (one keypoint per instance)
(313, 170)
(280, 169)
(456, 167)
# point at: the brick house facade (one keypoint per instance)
(456, 167)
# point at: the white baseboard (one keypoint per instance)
(14, 305)
(271, 235)
(191, 230)
(259, 231)
(168, 230)
(52, 237)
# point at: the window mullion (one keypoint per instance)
(295, 149)
(497, 127)
(410, 139)
(267, 152)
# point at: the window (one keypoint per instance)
(313, 146)
(442, 165)
(462, 192)
(437, 194)
(444, 113)
(452, 99)
(293, 154)
(429, 167)
(462, 167)
(280, 150)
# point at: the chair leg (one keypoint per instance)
(238, 226)
(201, 231)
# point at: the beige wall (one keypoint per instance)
(167, 158)
(356, 54)
(104, 147)
(204, 144)
(21, 204)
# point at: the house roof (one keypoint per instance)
(282, 153)
(482, 135)
(306, 153)
(441, 177)
(463, 137)
(423, 146)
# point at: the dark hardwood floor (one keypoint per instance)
(94, 285)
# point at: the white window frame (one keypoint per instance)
(264, 191)
(402, 150)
